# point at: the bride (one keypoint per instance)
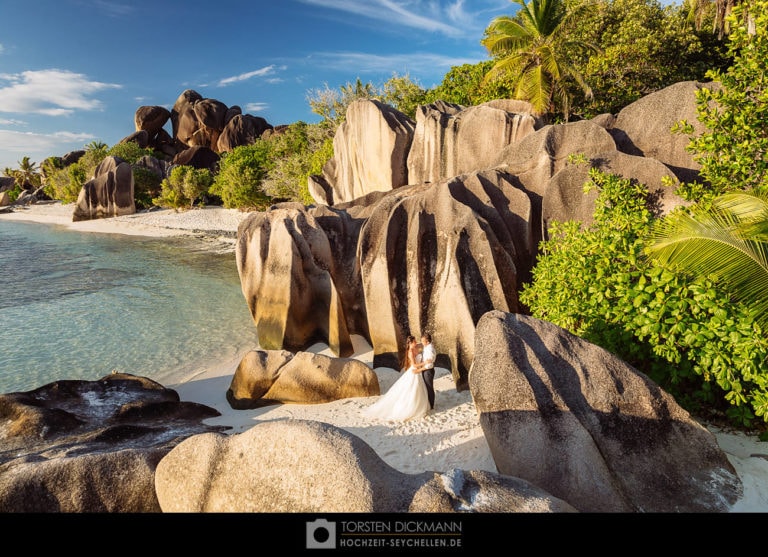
(407, 398)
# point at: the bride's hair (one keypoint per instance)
(405, 362)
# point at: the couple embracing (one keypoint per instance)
(413, 395)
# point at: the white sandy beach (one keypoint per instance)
(449, 437)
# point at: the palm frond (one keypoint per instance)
(718, 242)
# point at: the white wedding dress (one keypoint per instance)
(406, 399)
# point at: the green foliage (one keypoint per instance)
(680, 330)
(321, 155)
(146, 187)
(403, 94)
(298, 152)
(534, 52)
(96, 144)
(28, 174)
(464, 85)
(331, 105)
(241, 172)
(65, 184)
(184, 186)
(733, 151)
(129, 151)
(727, 239)
(644, 47)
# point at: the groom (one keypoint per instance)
(427, 366)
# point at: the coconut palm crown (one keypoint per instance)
(532, 49)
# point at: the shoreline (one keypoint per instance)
(449, 437)
(215, 225)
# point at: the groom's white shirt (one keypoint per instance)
(428, 356)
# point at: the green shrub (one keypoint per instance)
(241, 172)
(146, 187)
(183, 187)
(732, 150)
(13, 194)
(65, 184)
(129, 151)
(683, 332)
(299, 152)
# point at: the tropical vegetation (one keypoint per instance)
(680, 297)
(683, 297)
(532, 53)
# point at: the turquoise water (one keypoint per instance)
(78, 305)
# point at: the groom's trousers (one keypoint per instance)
(429, 379)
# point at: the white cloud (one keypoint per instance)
(11, 122)
(261, 72)
(400, 63)
(51, 92)
(447, 17)
(391, 12)
(255, 107)
(37, 146)
(113, 9)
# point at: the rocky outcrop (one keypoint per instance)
(581, 424)
(370, 151)
(525, 174)
(291, 281)
(241, 129)
(277, 376)
(108, 194)
(644, 127)
(7, 183)
(419, 258)
(541, 154)
(436, 258)
(198, 157)
(151, 119)
(565, 199)
(450, 139)
(305, 466)
(195, 122)
(91, 446)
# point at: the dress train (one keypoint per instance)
(406, 399)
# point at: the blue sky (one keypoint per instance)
(75, 71)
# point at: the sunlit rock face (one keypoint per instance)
(575, 420)
(108, 194)
(450, 139)
(420, 258)
(370, 151)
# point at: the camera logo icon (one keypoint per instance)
(321, 534)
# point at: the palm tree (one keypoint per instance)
(96, 145)
(28, 173)
(728, 240)
(532, 50)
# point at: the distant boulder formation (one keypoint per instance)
(241, 129)
(197, 123)
(108, 194)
